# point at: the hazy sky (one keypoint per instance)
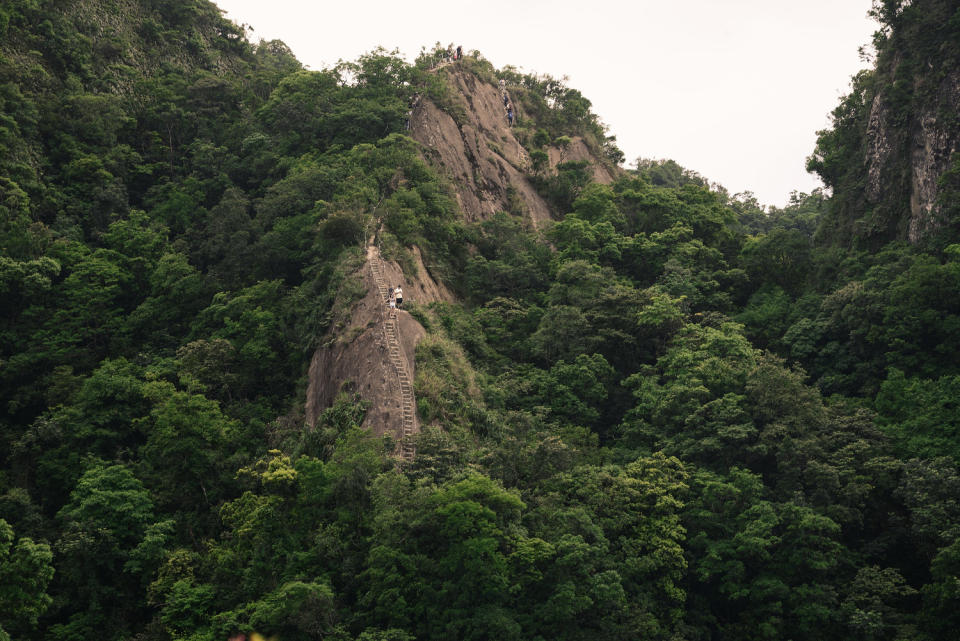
(732, 89)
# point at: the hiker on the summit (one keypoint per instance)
(398, 294)
(459, 51)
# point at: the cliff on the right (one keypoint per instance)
(891, 156)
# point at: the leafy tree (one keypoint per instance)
(940, 596)
(110, 541)
(25, 572)
(761, 568)
(629, 516)
(875, 607)
(563, 188)
(181, 213)
(920, 414)
(185, 456)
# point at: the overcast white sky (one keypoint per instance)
(732, 89)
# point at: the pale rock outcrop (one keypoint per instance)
(485, 163)
(355, 356)
(578, 151)
(481, 155)
(929, 143)
(482, 158)
(879, 148)
(933, 146)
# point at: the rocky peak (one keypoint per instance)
(481, 154)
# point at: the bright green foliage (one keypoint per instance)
(509, 262)
(458, 560)
(767, 568)
(692, 402)
(575, 392)
(562, 188)
(606, 450)
(898, 310)
(187, 445)
(311, 110)
(922, 317)
(668, 173)
(96, 421)
(25, 572)
(590, 566)
(110, 543)
(558, 112)
(632, 513)
(921, 414)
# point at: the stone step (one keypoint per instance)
(392, 332)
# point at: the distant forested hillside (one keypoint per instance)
(667, 413)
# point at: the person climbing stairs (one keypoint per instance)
(397, 360)
(508, 106)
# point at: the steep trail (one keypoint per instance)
(369, 352)
(391, 329)
(479, 154)
(523, 158)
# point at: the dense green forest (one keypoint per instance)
(672, 414)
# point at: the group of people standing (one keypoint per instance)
(441, 57)
(395, 298)
(413, 105)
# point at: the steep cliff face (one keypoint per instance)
(483, 159)
(488, 169)
(936, 138)
(577, 151)
(482, 156)
(897, 134)
(915, 153)
(356, 355)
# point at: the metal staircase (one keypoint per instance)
(392, 332)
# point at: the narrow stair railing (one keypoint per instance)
(392, 332)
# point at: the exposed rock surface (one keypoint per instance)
(879, 148)
(486, 165)
(421, 287)
(925, 146)
(482, 157)
(934, 143)
(355, 358)
(577, 151)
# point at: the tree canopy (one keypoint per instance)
(669, 413)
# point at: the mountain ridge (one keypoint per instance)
(646, 408)
(473, 155)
